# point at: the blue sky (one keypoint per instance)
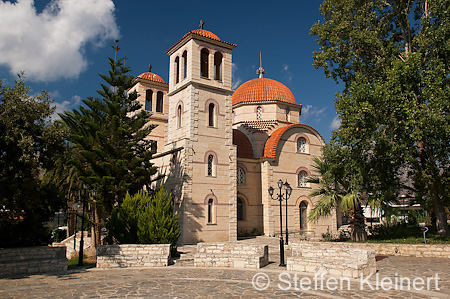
(62, 46)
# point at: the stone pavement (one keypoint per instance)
(184, 281)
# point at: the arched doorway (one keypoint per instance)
(303, 215)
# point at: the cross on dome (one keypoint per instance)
(201, 24)
(260, 71)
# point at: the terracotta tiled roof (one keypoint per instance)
(151, 76)
(204, 33)
(261, 90)
(244, 146)
(201, 32)
(270, 148)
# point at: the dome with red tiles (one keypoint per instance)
(151, 76)
(263, 90)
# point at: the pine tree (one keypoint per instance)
(109, 137)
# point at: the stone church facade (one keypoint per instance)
(220, 150)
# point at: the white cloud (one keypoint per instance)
(236, 80)
(313, 112)
(335, 123)
(66, 105)
(288, 72)
(50, 45)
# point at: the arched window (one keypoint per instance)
(204, 64)
(184, 64)
(177, 69)
(302, 179)
(148, 99)
(211, 211)
(240, 176)
(179, 116)
(211, 112)
(218, 66)
(301, 145)
(303, 215)
(240, 209)
(259, 113)
(287, 113)
(210, 170)
(159, 101)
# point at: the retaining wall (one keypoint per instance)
(325, 259)
(133, 255)
(28, 260)
(231, 254)
(415, 250)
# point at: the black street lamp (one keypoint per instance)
(280, 199)
(288, 194)
(80, 255)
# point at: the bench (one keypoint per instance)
(231, 254)
(133, 255)
(329, 260)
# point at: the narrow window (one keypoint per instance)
(179, 116)
(210, 210)
(154, 146)
(204, 64)
(240, 176)
(218, 66)
(159, 101)
(240, 209)
(177, 69)
(211, 115)
(148, 99)
(302, 176)
(259, 113)
(287, 114)
(210, 165)
(303, 215)
(184, 64)
(301, 145)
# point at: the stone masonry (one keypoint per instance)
(132, 255)
(231, 254)
(328, 260)
(32, 260)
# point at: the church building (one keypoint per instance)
(221, 150)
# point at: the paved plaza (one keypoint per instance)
(409, 277)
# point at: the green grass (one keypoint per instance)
(404, 235)
(74, 261)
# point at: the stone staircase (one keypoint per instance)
(186, 257)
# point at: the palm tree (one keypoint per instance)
(336, 191)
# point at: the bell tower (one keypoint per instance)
(200, 122)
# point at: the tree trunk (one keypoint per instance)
(357, 226)
(441, 217)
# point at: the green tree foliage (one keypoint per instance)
(336, 191)
(29, 143)
(144, 219)
(108, 134)
(393, 58)
(159, 224)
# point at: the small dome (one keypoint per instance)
(151, 76)
(204, 33)
(262, 90)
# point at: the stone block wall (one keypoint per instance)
(133, 255)
(335, 261)
(231, 254)
(30, 260)
(415, 250)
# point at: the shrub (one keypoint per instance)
(144, 219)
